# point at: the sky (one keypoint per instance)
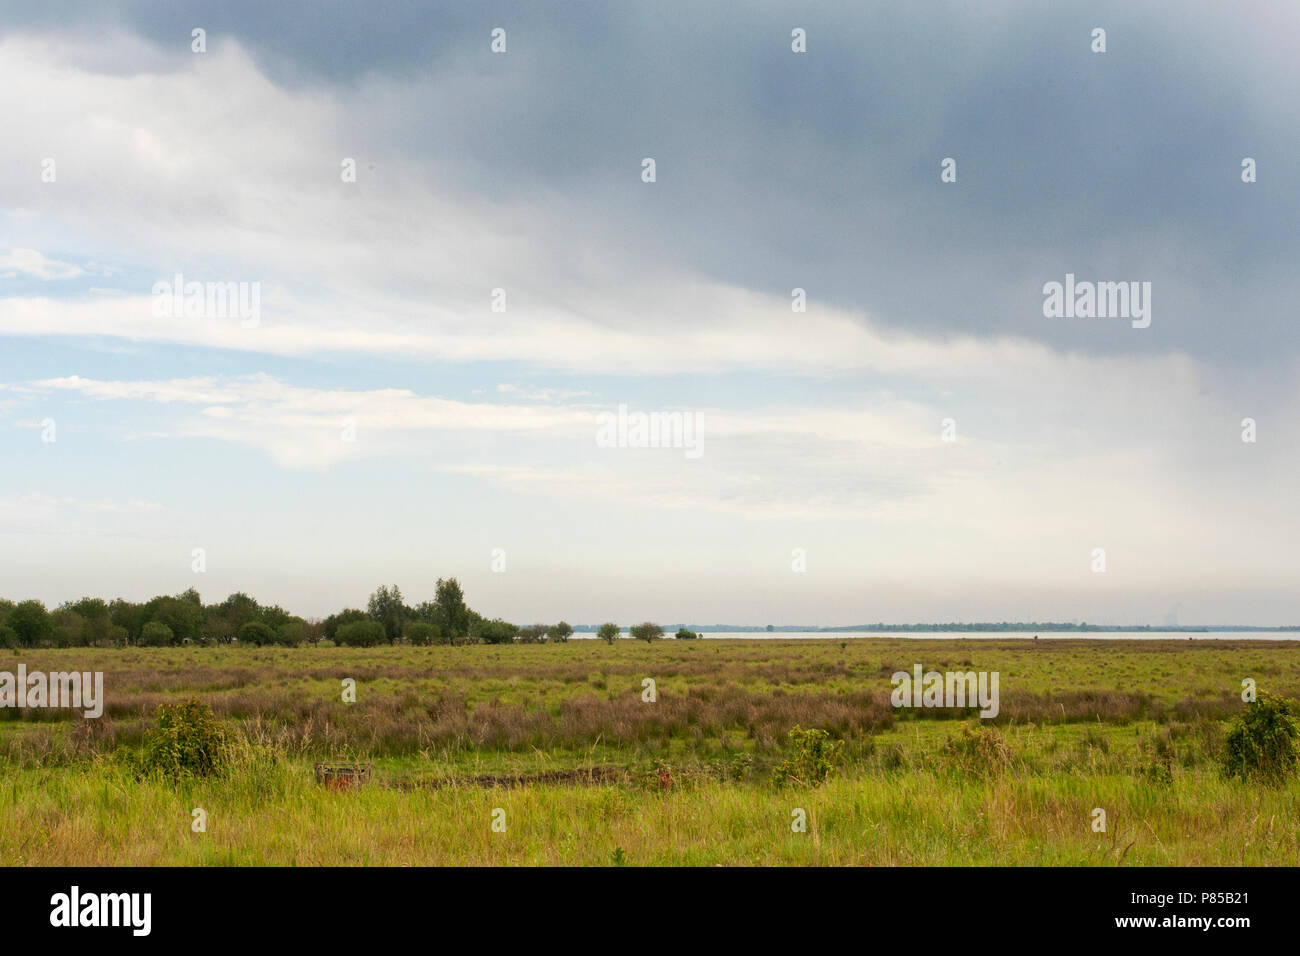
(462, 273)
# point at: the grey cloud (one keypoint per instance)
(821, 171)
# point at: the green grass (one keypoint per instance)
(1084, 721)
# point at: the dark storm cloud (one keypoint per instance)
(822, 170)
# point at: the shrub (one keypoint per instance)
(186, 741)
(559, 633)
(1160, 754)
(332, 624)
(421, 633)
(536, 634)
(982, 750)
(608, 632)
(256, 633)
(684, 635)
(289, 634)
(8, 636)
(813, 759)
(496, 631)
(156, 634)
(1261, 744)
(361, 634)
(647, 632)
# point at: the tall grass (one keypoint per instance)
(1134, 729)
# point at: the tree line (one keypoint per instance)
(184, 619)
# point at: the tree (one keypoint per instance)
(647, 631)
(218, 629)
(156, 634)
(221, 622)
(361, 634)
(386, 608)
(257, 634)
(349, 615)
(451, 614)
(68, 626)
(181, 614)
(421, 633)
(684, 635)
(239, 609)
(96, 622)
(497, 631)
(275, 617)
(560, 633)
(608, 632)
(31, 623)
(129, 615)
(290, 633)
(536, 634)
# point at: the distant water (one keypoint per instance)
(1001, 635)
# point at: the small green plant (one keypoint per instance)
(186, 741)
(740, 766)
(813, 760)
(1261, 744)
(979, 750)
(618, 857)
(737, 767)
(1161, 754)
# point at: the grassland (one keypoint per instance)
(586, 772)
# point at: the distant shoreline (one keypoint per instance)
(970, 629)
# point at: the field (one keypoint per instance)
(555, 743)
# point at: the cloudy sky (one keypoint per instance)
(380, 421)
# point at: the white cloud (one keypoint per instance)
(33, 263)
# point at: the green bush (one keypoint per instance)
(1261, 744)
(533, 634)
(289, 634)
(362, 634)
(421, 633)
(982, 750)
(186, 741)
(608, 632)
(814, 758)
(31, 623)
(496, 631)
(156, 634)
(256, 633)
(646, 631)
(684, 635)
